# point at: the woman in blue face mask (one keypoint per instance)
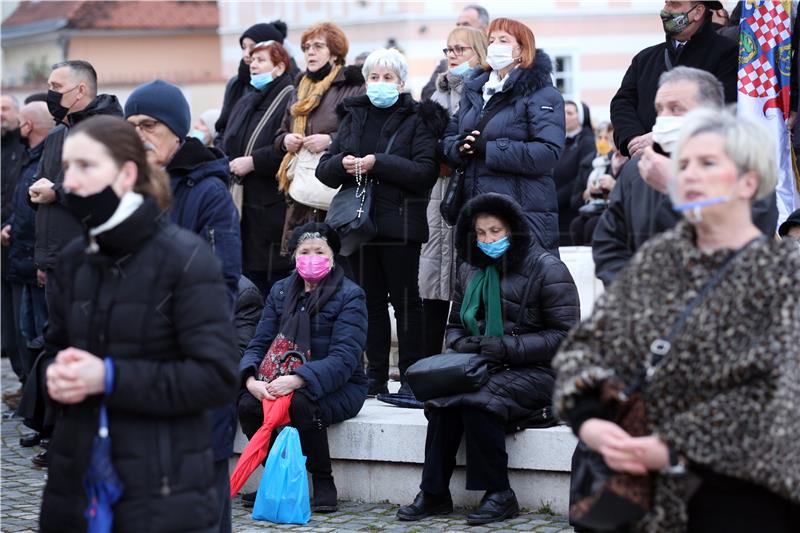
(390, 139)
(466, 50)
(501, 262)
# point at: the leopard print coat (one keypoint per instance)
(727, 396)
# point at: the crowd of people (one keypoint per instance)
(157, 273)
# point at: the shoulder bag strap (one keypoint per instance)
(265, 118)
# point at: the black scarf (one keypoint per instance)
(296, 321)
(321, 73)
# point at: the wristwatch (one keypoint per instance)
(677, 464)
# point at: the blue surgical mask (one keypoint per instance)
(460, 70)
(199, 135)
(495, 249)
(259, 81)
(382, 94)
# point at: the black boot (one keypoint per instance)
(318, 461)
(425, 505)
(494, 507)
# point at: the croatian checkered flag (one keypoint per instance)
(765, 65)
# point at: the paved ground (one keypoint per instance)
(21, 486)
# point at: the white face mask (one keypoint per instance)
(666, 131)
(499, 55)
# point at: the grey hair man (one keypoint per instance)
(474, 16)
(639, 206)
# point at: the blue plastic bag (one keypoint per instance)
(282, 495)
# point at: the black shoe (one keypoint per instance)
(494, 507)
(44, 443)
(324, 495)
(40, 459)
(248, 499)
(30, 439)
(425, 505)
(377, 387)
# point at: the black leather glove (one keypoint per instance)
(479, 146)
(468, 345)
(493, 347)
(462, 140)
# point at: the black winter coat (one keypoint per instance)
(334, 377)
(550, 310)
(264, 207)
(23, 223)
(11, 149)
(523, 142)
(636, 212)
(405, 175)
(566, 174)
(55, 226)
(633, 112)
(149, 299)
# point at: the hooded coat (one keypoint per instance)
(551, 309)
(405, 175)
(523, 143)
(142, 299)
(201, 203)
(55, 226)
(264, 207)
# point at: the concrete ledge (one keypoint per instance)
(378, 455)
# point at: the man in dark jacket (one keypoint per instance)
(639, 206)
(72, 97)
(690, 41)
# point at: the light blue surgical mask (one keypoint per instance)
(382, 93)
(495, 249)
(259, 81)
(199, 135)
(460, 70)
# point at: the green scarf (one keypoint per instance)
(484, 287)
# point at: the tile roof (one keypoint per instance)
(120, 15)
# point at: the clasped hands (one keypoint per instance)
(620, 451)
(74, 375)
(272, 390)
(491, 346)
(314, 143)
(349, 163)
(471, 144)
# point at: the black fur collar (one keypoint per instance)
(506, 209)
(522, 80)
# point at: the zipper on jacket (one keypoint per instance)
(211, 240)
(164, 458)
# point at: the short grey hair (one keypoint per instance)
(748, 144)
(82, 71)
(14, 100)
(386, 58)
(483, 15)
(710, 92)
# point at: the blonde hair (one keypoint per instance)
(474, 38)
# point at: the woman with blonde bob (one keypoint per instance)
(466, 50)
(722, 402)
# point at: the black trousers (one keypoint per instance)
(13, 343)
(222, 483)
(387, 271)
(582, 229)
(435, 313)
(487, 460)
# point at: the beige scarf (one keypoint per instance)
(309, 95)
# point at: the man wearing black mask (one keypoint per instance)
(690, 41)
(71, 98)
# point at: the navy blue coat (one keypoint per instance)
(335, 377)
(202, 204)
(524, 141)
(21, 268)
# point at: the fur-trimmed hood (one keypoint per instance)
(521, 80)
(431, 113)
(506, 209)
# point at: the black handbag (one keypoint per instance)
(448, 374)
(453, 198)
(601, 498)
(350, 213)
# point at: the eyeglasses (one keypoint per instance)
(316, 46)
(456, 50)
(146, 125)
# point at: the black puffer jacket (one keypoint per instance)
(550, 311)
(405, 175)
(146, 300)
(55, 226)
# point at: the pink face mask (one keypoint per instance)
(313, 268)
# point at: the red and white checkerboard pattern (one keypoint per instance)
(771, 24)
(758, 79)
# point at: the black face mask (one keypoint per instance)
(58, 111)
(244, 72)
(95, 209)
(321, 73)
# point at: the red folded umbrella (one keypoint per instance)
(276, 413)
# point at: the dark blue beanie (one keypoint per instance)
(164, 102)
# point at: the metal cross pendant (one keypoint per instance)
(360, 212)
